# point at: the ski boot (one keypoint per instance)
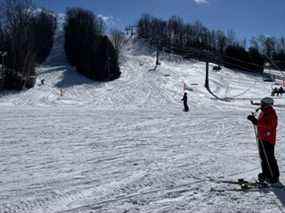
(262, 181)
(244, 184)
(261, 178)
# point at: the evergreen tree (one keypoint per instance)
(91, 53)
(45, 24)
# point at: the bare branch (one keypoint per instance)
(118, 39)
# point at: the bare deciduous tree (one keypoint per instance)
(17, 18)
(24, 28)
(118, 39)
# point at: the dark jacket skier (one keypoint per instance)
(184, 99)
(42, 81)
(266, 134)
(280, 91)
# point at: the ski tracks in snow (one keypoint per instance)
(126, 145)
(149, 159)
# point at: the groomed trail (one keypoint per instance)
(127, 146)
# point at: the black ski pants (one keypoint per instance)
(186, 107)
(268, 160)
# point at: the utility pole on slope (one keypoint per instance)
(157, 53)
(207, 75)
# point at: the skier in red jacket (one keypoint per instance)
(266, 134)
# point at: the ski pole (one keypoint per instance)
(262, 147)
(256, 136)
(267, 160)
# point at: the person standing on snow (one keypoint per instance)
(266, 135)
(184, 99)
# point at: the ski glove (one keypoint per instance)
(252, 119)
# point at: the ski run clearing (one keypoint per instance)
(77, 146)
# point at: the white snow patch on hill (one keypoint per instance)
(127, 146)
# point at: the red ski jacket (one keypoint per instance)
(267, 124)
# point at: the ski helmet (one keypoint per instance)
(267, 101)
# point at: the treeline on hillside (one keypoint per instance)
(197, 41)
(274, 48)
(87, 48)
(26, 39)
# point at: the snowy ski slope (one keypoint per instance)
(127, 146)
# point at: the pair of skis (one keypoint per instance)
(247, 185)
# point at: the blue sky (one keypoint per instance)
(246, 17)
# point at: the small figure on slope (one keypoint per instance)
(280, 91)
(266, 135)
(274, 91)
(184, 99)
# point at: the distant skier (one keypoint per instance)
(280, 91)
(42, 81)
(266, 135)
(184, 99)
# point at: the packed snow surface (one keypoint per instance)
(73, 145)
